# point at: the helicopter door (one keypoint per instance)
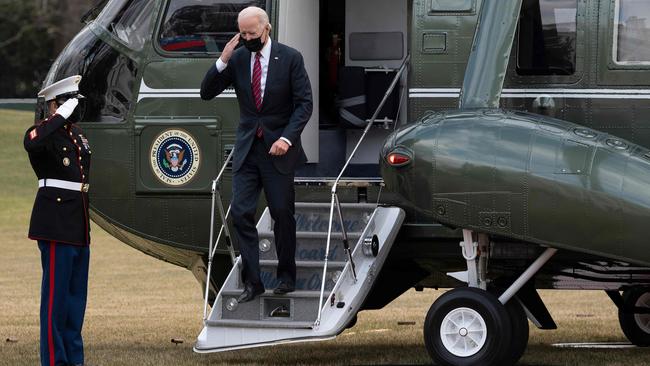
(181, 139)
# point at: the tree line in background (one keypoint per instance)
(32, 33)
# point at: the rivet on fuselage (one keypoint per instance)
(583, 132)
(616, 144)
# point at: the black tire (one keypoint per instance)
(519, 322)
(497, 332)
(636, 327)
(519, 328)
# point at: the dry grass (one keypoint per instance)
(137, 304)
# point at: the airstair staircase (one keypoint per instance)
(340, 250)
(274, 319)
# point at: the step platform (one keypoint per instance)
(275, 319)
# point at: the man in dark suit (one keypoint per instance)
(275, 103)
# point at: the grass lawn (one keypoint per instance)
(137, 305)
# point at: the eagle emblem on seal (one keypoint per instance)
(174, 158)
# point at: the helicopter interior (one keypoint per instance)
(358, 58)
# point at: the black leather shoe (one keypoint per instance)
(284, 288)
(250, 293)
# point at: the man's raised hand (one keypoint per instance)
(230, 47)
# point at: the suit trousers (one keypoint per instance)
(256, 173)
(63, 302)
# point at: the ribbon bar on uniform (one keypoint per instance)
(64, 184)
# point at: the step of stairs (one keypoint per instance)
(310, 246)
(298, 306)
(308, 274)
(314, 217)
(260, 324)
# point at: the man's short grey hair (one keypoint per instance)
(254, 11)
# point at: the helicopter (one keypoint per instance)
(515, 128)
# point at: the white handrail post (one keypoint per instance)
(327, 254)
(209, 269)
(211, 251)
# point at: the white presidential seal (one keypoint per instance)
(175, 157)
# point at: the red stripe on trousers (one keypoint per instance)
(50, 336)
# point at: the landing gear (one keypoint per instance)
(635, 325)
(468, 326)
(473, 325)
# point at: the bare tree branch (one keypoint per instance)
(25, 28)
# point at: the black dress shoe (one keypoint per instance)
(250, 293)
(284, 288)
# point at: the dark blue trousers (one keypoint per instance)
(63, 302)
(257, 173)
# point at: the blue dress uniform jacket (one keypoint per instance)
(59, 150)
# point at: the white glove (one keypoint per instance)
(66, 109)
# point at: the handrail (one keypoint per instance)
(335, 198)
(216, 197)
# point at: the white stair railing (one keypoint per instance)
(335, 198)
(212, 246)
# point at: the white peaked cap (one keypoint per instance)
(67, 85)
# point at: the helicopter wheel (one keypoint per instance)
(520, 331)
(636, 327)
(468, 326)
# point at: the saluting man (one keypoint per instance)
(60, 156)
(275, 104)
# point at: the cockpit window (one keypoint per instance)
(110, 11)
(201, 26)
(547, 37)
(129, 20)
(632, 32)
(132, 25)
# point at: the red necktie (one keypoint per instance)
(257, 81)
(256, 84)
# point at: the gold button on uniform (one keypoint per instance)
(65, 148)
(58, 199)
(66, 161)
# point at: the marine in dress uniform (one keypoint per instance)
(60, 156)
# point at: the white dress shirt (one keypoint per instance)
(264, 63)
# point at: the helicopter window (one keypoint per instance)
(201, 26)
(133, 23)
(107, 84)
(110, 12)
(632, 32)
(547, 37)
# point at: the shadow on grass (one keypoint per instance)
(547, 355)
(293, 354)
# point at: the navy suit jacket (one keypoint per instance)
(286, 106)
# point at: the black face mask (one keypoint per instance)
(254, 45)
